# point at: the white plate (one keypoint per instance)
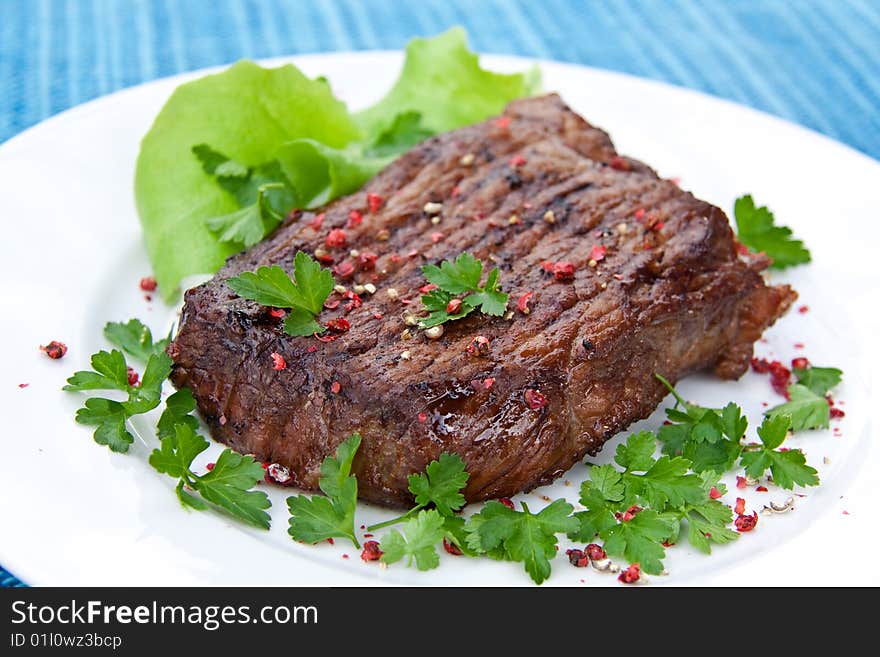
(72, 513)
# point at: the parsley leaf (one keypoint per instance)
(216, 163)
(250, 224)
(733, 422)
(462, 275)
(454, 526)
(269, 286)
(175, 454)
(304, 294)
(177, 411)
(317, 518)
(147, 395)
(709, 438)
(226, 487)
(301, 323)
(264, 194)
(420, 536)
(441, 484)
(109, 417)
(707, 523)
(788, 467)
(755, 228)
(336, 470)
(712, 457)
(437, 301)
(665, 481)
(639, 540)
(110, 372)
(666, 484)
(522, 535)
(637, 453)
(602, 494)
(457, 277)
(135, 339)
(313, 283)
(806, 409)
(821, 380)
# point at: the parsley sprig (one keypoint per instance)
(788, 467)
(709, 438)
(318, 518)
(807, 405)
(440, 486)
(264, 194)
(303, 295)
(530, 538)
(417, 542)
(135, 339)
(110, 372)
(635, 511)
(227, 487)
(454, 278)
(658, 501)
(756, 229)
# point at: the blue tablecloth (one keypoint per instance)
(814, 62)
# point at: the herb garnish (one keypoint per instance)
(709, 438)
(110, 372)
(439, 486)
(808, 407)
(637, 510)
(135, 339)
(821, 380)
(616, 505)
(317, 518)
(264, 195)
(177, 411)
(303, 296)
(418, 541)
(225, 487)
(788, 467)
(512, 535)
(756, 229)
(454, 278)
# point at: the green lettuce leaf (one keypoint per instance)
(231, 153)
(442, 80)
(245, 112)
(321, 173)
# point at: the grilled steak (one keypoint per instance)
(664, 291)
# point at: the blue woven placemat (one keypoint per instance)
(814, 62)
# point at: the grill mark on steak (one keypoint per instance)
(672, 301)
